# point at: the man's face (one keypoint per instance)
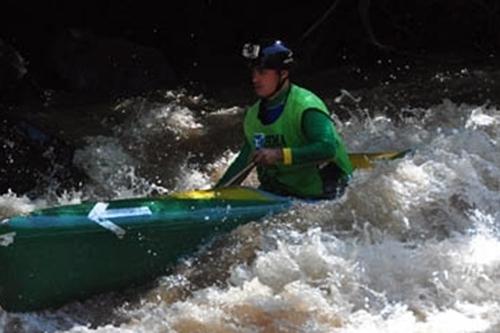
(265, 81)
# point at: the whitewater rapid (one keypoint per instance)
(413, 245)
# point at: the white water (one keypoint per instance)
(413, 246)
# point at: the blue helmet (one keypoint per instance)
(274, 55)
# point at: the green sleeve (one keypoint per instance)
(238, 164)
(319, 132)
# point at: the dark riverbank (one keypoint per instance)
(118, 48)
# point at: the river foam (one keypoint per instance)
(413, 245)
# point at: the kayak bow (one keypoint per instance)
(60, 254)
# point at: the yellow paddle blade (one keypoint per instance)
(366, 160)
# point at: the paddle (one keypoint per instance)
(236, 179)
(358, 161)
(366, 160)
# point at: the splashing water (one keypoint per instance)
(413, 245)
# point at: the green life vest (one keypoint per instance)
(301, 180)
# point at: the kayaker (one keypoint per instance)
(289, 134)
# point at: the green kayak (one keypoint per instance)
(66, 253)
(60, 254)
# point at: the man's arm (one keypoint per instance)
(322, 143)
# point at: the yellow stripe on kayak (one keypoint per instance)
(225, 193)
(366, 160)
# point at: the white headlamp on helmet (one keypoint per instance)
(251, 51)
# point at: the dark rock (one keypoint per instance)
(32, 162)
(108, 67)
(12, 68)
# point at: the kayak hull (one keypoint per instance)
(57, 255)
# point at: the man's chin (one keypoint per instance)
(259, 93)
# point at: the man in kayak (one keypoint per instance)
(289, 134)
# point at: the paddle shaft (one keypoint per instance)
(235, 179)
(358, 160)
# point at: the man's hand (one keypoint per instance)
(267, 156)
